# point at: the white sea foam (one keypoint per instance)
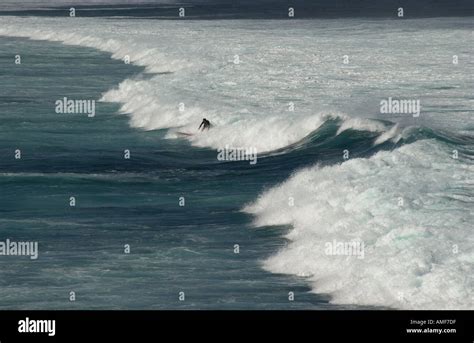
(265, 133)
(392, 134)
(266, 136)
(280, 62)
(361, 124)
(412, 208)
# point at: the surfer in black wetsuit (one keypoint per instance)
(206, 124)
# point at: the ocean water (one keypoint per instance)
(278, 86)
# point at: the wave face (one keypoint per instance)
(412, 208)
(273, 85)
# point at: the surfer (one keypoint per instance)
(205, 124)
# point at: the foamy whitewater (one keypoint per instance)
(409, 243)
(246, 75)
(269, 85)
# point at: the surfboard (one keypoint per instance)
(184, 133)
